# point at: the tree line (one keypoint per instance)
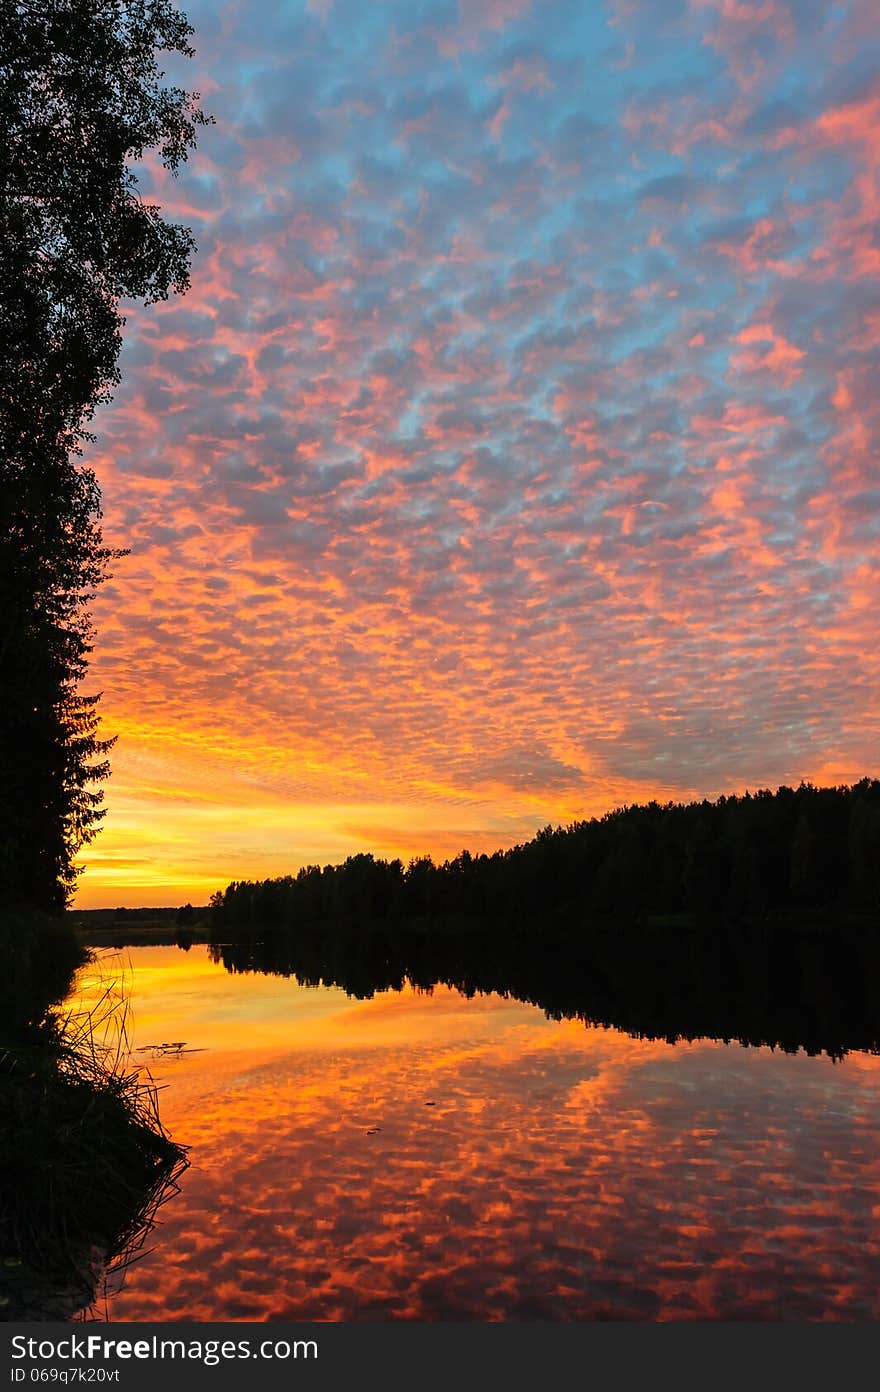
(796, 851)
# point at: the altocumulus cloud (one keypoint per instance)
(515, 448)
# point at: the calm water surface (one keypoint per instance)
(428, 1156)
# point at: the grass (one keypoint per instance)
(84, 1161)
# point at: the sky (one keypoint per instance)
(513, 454)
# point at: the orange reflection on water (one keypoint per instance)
(430, 1157)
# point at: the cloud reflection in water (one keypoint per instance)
(563, 1172)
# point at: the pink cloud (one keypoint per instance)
(772, 354)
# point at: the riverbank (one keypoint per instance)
(158, 927)
(84, 1159)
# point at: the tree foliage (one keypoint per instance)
(82, 99)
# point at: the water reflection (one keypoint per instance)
(818, 991)
(420, 1155)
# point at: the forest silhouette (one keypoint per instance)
(806, 853)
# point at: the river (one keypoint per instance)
(425, 1155)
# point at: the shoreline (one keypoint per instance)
(85, 1162)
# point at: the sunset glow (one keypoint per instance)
(513, 455)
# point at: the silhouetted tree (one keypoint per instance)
(81, 98)
(863, 844)
(803, 863)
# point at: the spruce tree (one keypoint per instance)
(82, 99)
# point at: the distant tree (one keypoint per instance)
(864, 845)
(802, 876)
(700, 873)
(81, 98)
